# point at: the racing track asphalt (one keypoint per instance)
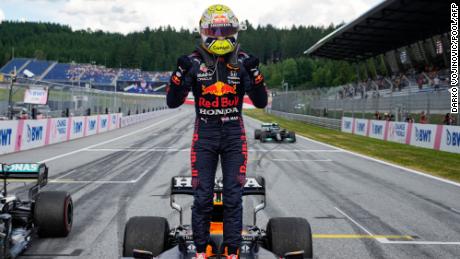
(357, 208)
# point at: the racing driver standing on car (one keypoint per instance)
(219, 74)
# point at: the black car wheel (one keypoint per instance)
(257, 134)
(53, 214)
(146, 233)
(288, 234)
(263, 137)
(292, 136)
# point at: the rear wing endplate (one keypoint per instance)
(25, 171)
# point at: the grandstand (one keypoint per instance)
(412, 37)
(88, 75)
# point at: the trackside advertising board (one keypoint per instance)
(361, 127)
(438, 137)
(103, 123)
(21, 135)
(423, 135)
(377, 129)
(33, 133)
(397, 131)
(8, 136)
(347, 124)
(91, 125)
(58, 130)
(77, 129)
(450, 139)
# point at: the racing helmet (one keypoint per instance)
(219, 29)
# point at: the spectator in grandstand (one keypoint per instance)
(448, 119)
(377, 116)
(423, 118)
(436, 82)
(420, 81)
(409, 119)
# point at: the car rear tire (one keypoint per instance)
(257, 134)
(146, 233)
(289, 234)
(292, 136)
(53, 214)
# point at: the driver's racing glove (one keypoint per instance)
(251, 64)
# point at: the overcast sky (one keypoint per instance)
(133, 15)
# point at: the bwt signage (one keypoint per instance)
(91, 125)
(377, 129)
(77, 127)
(450, 139)
(8, 134)
(423, 135)
(103, 123)
(33, 134)
(361, 127)
(347, 124)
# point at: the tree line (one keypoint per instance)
(156, 49)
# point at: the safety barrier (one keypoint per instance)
(21, 135)
(438, 137)
(319, 121)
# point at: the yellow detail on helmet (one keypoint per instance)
(221, 47)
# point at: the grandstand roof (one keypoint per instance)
(388, 26)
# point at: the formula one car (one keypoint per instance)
(150, 237)
(46, 213)
(272, 132)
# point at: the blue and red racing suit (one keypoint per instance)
(219, 84)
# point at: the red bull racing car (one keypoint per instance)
(151, 237)
(46, 213)
(271, 132)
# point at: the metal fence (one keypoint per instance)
(80, 101)
(320, 102)
(315, 120)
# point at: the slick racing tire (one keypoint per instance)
(146, 233)
(53, 214)
(289, 234)
(263, 137)
(292, 136)
(257, 134)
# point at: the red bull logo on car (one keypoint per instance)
(218, 89)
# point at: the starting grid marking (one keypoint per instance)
(383, 239)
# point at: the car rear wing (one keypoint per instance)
(183, 185)
(25, 172)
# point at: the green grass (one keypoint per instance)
(439, 163)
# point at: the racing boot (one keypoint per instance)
(201, 256)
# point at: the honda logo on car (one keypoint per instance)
(5, 136)
(181, 182)
(453, 138)
(422, 135)
(34, 133)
